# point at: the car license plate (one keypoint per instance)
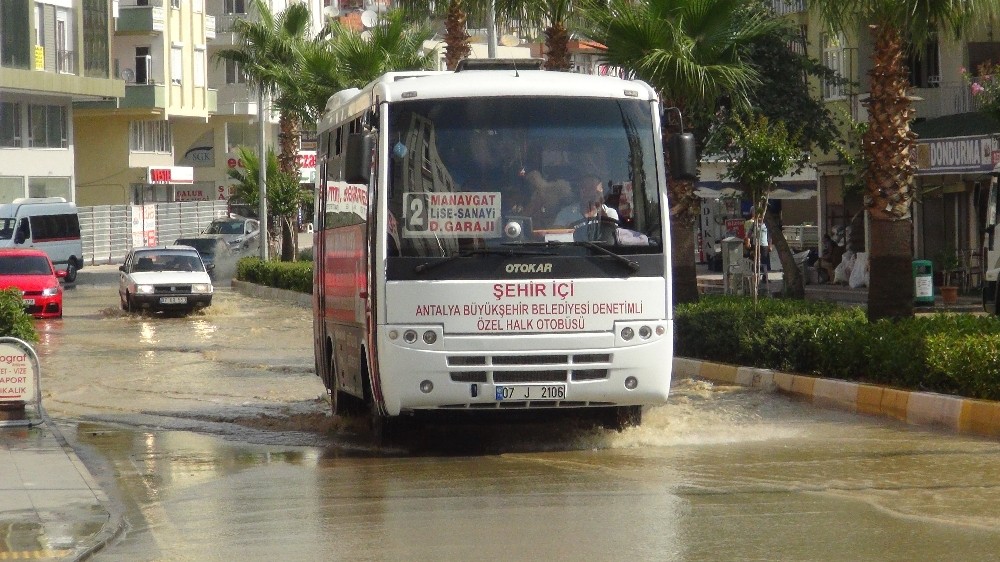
(29, 302)
(173, 300)
(531, 392)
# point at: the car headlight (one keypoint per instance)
(202, 288)
(144, 289)
(50, 291)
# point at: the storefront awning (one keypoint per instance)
(785, 190)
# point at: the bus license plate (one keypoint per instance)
(531, 392)
(173, 300)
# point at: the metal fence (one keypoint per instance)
(110, 231)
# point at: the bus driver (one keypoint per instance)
(589, 204)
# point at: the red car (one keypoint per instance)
(31, 271)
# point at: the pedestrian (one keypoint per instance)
(755, 233)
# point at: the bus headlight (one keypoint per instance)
(645, 332)
(426, 386)
(430, 337)
(410, 336)
(631, 383)
(627, 333)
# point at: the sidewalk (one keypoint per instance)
(50, 506)
(711, 282)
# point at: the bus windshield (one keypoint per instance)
(470, 173)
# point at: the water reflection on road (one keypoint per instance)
(214, 432)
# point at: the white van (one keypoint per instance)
(50, 224)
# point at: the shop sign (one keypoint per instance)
(957, 155)
(161, 175)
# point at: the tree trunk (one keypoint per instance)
(888, 148)
(287, 240)
(890, 287)
(557, 48)
(794, 284)
(684, 210)
(456, 38)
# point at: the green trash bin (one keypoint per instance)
(923, 283)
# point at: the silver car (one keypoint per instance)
(240, 233)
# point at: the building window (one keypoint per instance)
(49, 187)
(234, 74)
(236, 6)
(149, 136)
(925, 66)
(199, 67)
(175, 4)
(47, 126)
(10, 124)
(834, 58)
(96, 57)
(11, 187)
(176, 64)
(15, 34)
(240, 134)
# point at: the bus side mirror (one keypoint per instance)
(683, 157)
(358, 158)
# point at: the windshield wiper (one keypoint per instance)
(510, 252)
(629, 264)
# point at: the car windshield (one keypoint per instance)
(225, 227)
(167, 261)
(528, 170)
(203, 245)
(7, 228)
(24, 265)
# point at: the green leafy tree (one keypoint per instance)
(455, 15)
(895, 27)
(759, 151)
(14, 321)
(284, 195)
(694, 53)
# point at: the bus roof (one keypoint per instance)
(397, 86)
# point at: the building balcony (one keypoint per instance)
(949, 98)
(248, 108)
(224, 35)
(137, 96)
(136, 20)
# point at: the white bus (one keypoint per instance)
(493, 240)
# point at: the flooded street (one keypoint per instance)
(212, 432)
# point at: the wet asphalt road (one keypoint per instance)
(213, 433)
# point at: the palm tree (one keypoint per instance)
(553, 17)
(888, 146)
(693, 52)
(455, 14)
(269, 48)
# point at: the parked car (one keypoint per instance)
(164, 278)
(32, 272)
(240, 233)
(213, 249)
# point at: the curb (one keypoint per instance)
(962, 415)
(115, 525)
(265, 292)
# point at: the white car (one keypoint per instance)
(164, 278)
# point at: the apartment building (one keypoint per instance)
(52, 53)
(956, 146)
(134, 149)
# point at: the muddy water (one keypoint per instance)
(213, 434)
